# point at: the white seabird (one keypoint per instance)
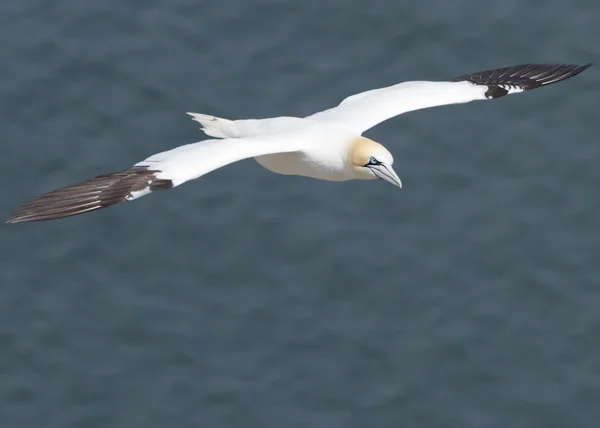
(327, 145)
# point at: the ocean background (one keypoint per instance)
(470, 298)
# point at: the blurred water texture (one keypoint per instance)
(468, 299)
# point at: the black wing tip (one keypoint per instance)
(90, 195)
(522, 76)
(26, 215)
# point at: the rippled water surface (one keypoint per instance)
(471, 298)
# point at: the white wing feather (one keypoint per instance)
(191, 161)
(364, 110)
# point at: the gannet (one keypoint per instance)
(327, 145)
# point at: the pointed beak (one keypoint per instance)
(387, 173)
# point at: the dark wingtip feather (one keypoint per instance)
(523, 76)
(90, 195)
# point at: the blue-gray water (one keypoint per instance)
(471, 298)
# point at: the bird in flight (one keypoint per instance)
(327, 145)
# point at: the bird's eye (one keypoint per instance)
(373, 161)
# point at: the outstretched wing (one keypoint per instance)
(160, 171)
(364, 110)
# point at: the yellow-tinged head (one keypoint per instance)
(370, 160)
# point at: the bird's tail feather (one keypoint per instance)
(213, 126)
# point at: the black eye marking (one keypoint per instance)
(372, 161)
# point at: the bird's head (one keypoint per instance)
(370, 160)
